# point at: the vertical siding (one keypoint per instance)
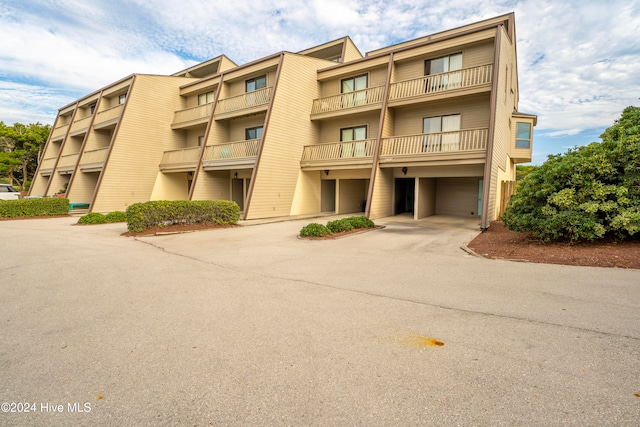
(143, 136)
(279, 163)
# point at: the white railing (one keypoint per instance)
(194, 113)
(68, 160)
(339, 150)
(356, 98)
(183, 156)
(246, 100)
(109, 114)
(232, 150)
(95, 156)
(435, 83)
(442, 142)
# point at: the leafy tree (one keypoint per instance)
(588, 193)
(20, 149)
(522, 171)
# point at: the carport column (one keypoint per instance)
(337, 196)
(416, 197)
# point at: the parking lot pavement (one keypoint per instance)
(253, 326)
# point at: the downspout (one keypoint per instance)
(113, 140)
(84, 142)
(486, 187)
(196, 173)
(64, 141)
(376, 153)
(264, 135)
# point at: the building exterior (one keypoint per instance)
(428, 126)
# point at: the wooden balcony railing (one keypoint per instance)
(340, 150)
(94, 157)
(186, 157)
(192, 114)
(68, 160)
(80, 124)
(108, 115)
(442, 82)
(232, 150)
(430, 143)
(46, 165)
(59, 132)
(356, 98)
(246, 100)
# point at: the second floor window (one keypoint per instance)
(358, 148)
(205, 98)
(523, 135)
(122, 98)
(255, 84)
(443, 64)
(437, 130)
(353, 83)
(253, 133)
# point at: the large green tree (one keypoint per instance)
(588, 193)
(20, 150)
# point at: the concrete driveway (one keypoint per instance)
(253, 326)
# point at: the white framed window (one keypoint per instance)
(205, 98)
(353, 84)
(523, 135)
(441, 133)
(355, 138)
(442, 71)
(257, 83)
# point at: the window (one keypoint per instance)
(205, 98)
(253, 133)
(122, 98)
(255, 84)
(353, 84)
(523, 135)
(439, 66)
(92, 108)
(358, 147)
(200, 140)
(441, 133)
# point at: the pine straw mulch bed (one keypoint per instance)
(498, 242)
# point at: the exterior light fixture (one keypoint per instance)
(326, 172)
(404, 170)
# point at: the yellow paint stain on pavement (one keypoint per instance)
(414, 340)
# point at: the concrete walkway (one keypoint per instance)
(253, 326)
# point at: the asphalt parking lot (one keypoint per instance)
(253, 326)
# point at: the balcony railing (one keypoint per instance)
(183, 158)
(67, 163)
(340, 150)
(46, 165)
(201, 112)
(246, 100)
(93, 159)
(442, 82)
(59, 132)
(232, 154)
(80, 125)
(111, 114)
(356, 98)
(431, 143)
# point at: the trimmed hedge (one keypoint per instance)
(339, 225)
(92, 218)
(336, 226)
(162, 213)
(116, 216)
(314, 230)
(34, 207)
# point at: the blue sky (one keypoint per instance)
(578, 62)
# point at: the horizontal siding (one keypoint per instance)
(381, 201)
(238, 87)
(237, 127)
(457, 196)
(214, 185)
(351, 194)
(376, 77)
(330, 129)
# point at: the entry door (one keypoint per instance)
(328, 196)
(237, 192)
(405, 195)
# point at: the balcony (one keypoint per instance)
(80, 126)
(466, 145)
(93, 160)
(347, 103)
(191, 117)
(108, 118)
(339, 155)
(46, 166)
(245, 104)
(59, 132)
(67, 163)
(234, 155)
(465, 81)
(183, 160)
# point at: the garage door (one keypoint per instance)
(457, 196)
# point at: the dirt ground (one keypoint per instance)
(501, 243)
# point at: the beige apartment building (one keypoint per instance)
(426, 127)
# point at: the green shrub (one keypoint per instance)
(33, 207)
(588, 193)
(314, 230)
(116, 216)
(92, 218)
(340, 225)
(360, 222)
(169, 212)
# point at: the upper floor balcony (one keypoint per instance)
(67, 163)
(233, 155)
(46, 166)
(93, 160)
(191, 117)
(338, 155)
(347, 103)
(438, 86)
(108, 118)
(59, 132)
(462, 145)
(80, 126)
(245, 104)
(182, 160)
